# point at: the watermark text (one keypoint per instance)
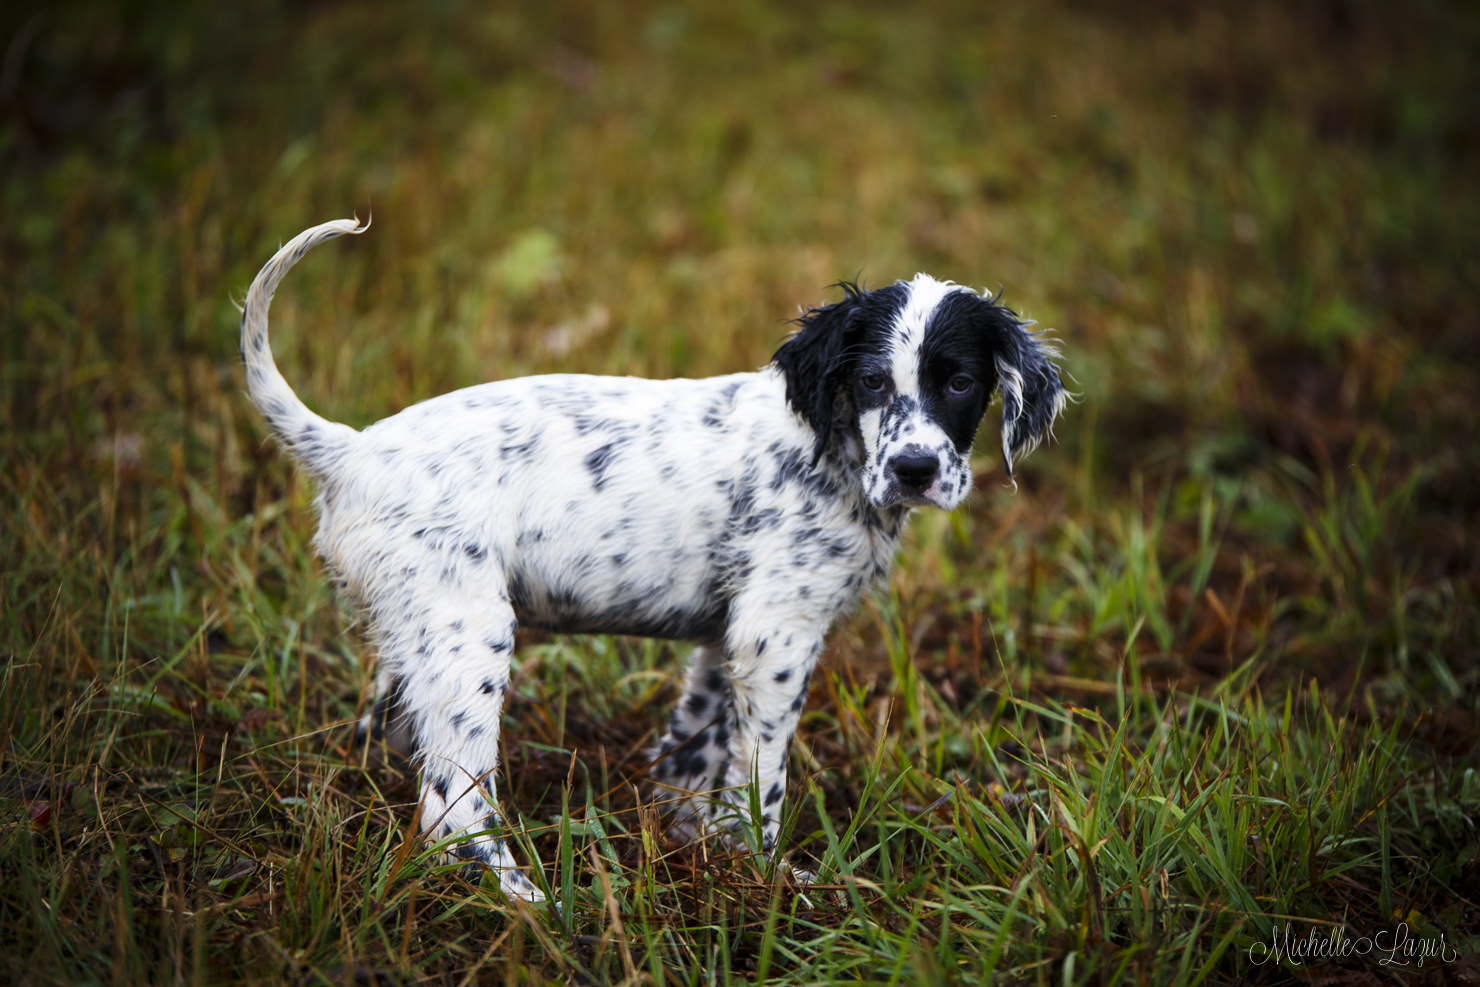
(1391, 947)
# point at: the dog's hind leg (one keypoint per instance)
(387, 721)
(454, 674)
(693, 753)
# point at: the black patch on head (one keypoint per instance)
(961, 338)
(823, 356)
(968, 334)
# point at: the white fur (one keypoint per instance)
(678, 508)
(909, 328)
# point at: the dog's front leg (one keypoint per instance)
(772, 655)
(454, 674)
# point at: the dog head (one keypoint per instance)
(909, 370)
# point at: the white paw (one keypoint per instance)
(803, 880)
(801, 876)
(514, 884)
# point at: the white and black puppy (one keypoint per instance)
(743, 513)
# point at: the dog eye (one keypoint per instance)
(961, 383)
(874, 382)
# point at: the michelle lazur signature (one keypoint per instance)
(1392, 947)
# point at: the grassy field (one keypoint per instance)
(1204, 682)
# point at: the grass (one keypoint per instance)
(1205, 679)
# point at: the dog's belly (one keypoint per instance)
(650, 574)
(627, 610)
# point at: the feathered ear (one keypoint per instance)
(816, 360)
(1032, 392)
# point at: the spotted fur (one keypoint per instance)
(743, 513)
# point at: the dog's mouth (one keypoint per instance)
(895, 496)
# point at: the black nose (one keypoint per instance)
(915, 470)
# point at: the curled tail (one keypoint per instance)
(313, 441)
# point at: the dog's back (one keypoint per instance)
(591, 498)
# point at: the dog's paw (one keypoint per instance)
(514, 884)
(800, 876)
(803, 880)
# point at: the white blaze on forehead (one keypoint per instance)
(925, 293)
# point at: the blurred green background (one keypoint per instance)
(1254, 227)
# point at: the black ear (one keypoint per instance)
(816, 361)
(1032, 392)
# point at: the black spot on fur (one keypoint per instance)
(471, 851)
(598, 462)
(689, 760)
(523, 452)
